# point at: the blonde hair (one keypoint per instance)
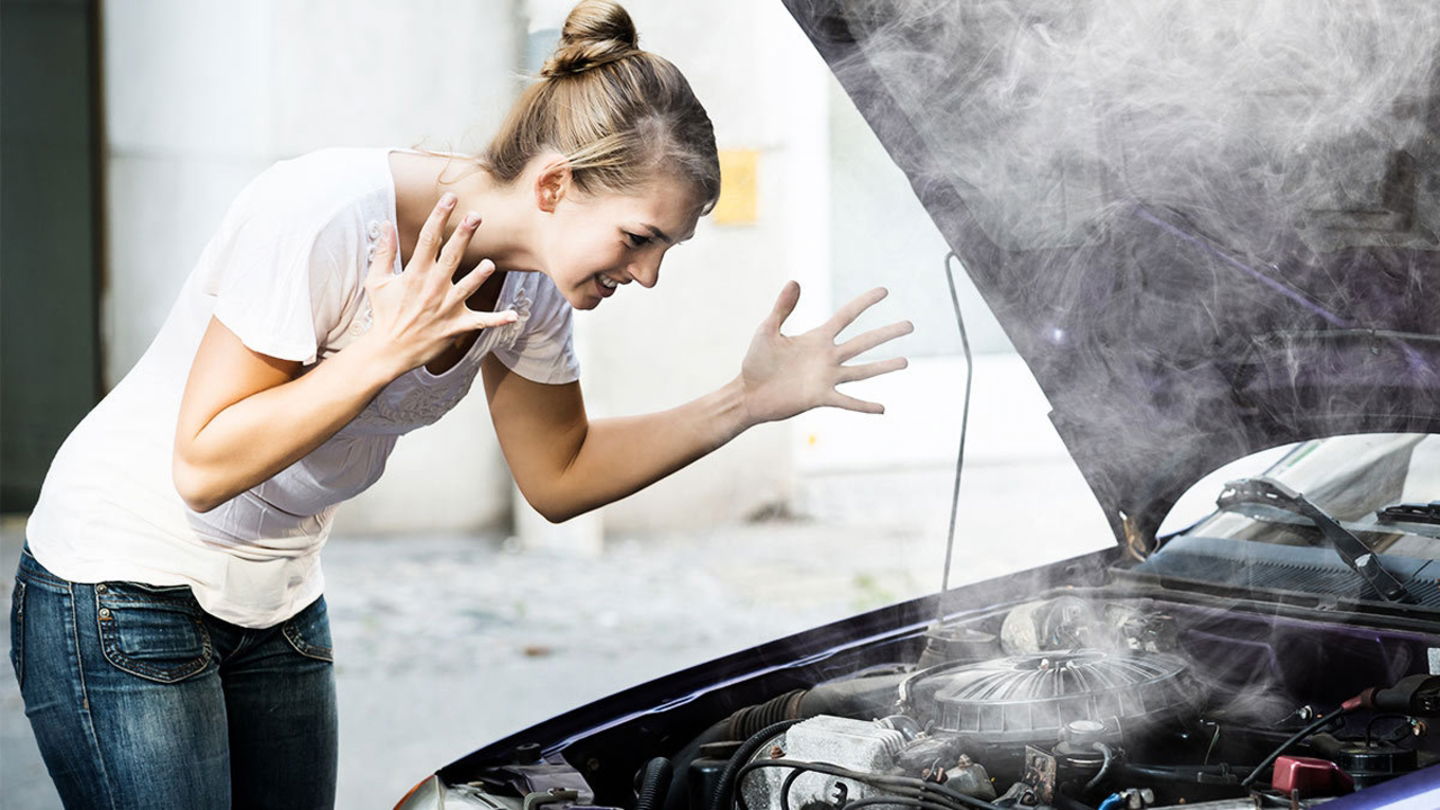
(619, 115)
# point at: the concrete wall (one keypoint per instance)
(202, 95)
(764, 88)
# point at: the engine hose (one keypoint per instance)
(1206, 774)
(1104, 771)
(745, 722)
(724, 791)
(740, 725)
(654, 781)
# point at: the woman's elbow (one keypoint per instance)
(549, 506)
(553, 512)
(192, 487)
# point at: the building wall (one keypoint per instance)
(201, 96)
(764, 88)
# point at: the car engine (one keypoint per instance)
(1066, 703)
(1084, 699)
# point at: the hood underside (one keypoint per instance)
(1208, 227)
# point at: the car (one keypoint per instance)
(1211, 230)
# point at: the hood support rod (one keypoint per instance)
(964, 425)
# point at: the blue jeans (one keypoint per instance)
(140, 699)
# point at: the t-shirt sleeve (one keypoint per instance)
(544, 352)
(280, 267)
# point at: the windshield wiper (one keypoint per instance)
(1411, 513)
(1361, 559)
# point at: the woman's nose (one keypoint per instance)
(646, 271)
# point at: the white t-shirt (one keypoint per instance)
(285, 273)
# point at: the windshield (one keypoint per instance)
(1352, 478)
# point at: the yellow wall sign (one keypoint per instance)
(737, 187)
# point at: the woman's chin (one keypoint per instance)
(583, 300)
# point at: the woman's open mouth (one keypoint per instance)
(604, 287)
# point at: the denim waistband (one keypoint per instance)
(33, 572)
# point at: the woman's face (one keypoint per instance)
(594, 244)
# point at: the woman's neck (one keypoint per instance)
(504, 235)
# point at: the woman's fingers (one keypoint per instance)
(865, 371)
(471, 282)
(860, 344)
(467, 286)
(428, 243)
(456, 245)
(486, 320)
(784, 305)
(847, 314)
(839, 400)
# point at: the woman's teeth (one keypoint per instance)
(604, 287)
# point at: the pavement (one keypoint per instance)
(447, 642)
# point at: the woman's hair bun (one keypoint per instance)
(597, 32)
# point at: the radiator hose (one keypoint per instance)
(654, 781)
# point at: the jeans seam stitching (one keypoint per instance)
(89, 719)
(17, 640)
(305, 648)
(41, 576)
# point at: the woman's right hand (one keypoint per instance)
(416, 314)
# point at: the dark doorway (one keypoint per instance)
(50, 233)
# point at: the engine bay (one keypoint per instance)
(1068, 702)
(1080, 698)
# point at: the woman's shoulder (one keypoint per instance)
(325, 178)
(327, 194)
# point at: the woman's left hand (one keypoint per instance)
(783, 376)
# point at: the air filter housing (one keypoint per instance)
(1030, 698)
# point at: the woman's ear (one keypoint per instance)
(551, 185)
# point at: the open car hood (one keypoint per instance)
(1208, 228)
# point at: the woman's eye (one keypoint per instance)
(636, 240)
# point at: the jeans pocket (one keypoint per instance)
(157, 633)
(17, 632)
(309, 632)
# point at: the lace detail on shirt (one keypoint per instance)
(510, 332)
(418, 397)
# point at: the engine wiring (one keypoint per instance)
(1292, 740)
(929, 795)
(1405, 730)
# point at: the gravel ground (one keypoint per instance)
(444, 643)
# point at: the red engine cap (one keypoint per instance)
(1310, 776)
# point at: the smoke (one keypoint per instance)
(1190, 215)
(1050, 115)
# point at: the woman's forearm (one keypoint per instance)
(256, 437)
(566, 465)
(622, 455)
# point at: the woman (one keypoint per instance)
(169, 632)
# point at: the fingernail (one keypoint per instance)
(447, 199)
(472, 219)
